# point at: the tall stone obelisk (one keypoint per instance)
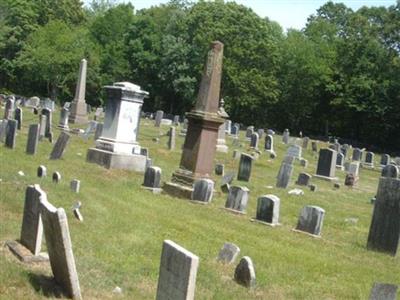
(203, 122)
(78, 110)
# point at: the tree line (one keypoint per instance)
(340, 75)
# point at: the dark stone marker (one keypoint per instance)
(350, 180)
(237, 198)
(18, 117)
(285, 172)
(314, 146)
(56, 177)
(311, 219)
(384, 232)
(369, 157)
(383, 291)
(41, 171)
(47, 112)
(268, 209)
(203, 190)
(254, 138)
(357, 154)
(385, 159)
(244, 273)
(313, 187)
(390, 170)
(327, 163)
(245, 164)
(219, 169)
(305, 142)
(303, 179)
(60, 145)
(144, 151)
(11, 132)
(152, 177)
(33, 139)
(269, 142)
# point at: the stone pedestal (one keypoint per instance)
(117, 147)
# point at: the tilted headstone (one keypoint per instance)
(268, 209)
(245, 164)
(11, 133)
(383, 291)
(384, 232)
(269, 143)
(41, 171)
(237, 199)
(285, 173)
(326, 163)
(254, 138)
(311, 220)
(203, 190)
(385, 159)
(228, 253)
(285, 136)
(152, 178)
(357, 154)
(219, 169)
(171, 138)
(390, 170)
(178, 271)
(59, 146)
(159, 116)
(303, 179)
(59, 247)
(56, 177)
(99, 130)
(75, 185)
(244, 273)
(18, 117)
(294, 150)
(305, 142)
(33, 139)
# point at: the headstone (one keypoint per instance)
(32, 102)
(98, 113)
(171, 138)
(350, 180)
(152, 178)
(236, 154)
(303, 179)
(249, 131)
(18, 117)
(178, 271)
(385, 159)
(244, 273)
(47, 104)
(340, 160)
(176, 120)
(391, 171)
(59, 247)
(64, 115)
(98, 132)
(269, 143)
(268, 209)
(228, 125)
(3, 130)
(226, 182)
(245, 164)
(221, 144)
(9, 108)
(384, 232)
(90, 129)
(159, 116)
(56, 177)
(203, 190)
(326, 164)
(305, 142)
(357, 154)
(237, 199)
(354, 168)
(314, 146)
(144, 151)
(285, 136)
(11, 133)
(33, 139)
(228, 253)
(184, 127)
(67, 105)
(294, 150)
(303, 162)
(219, 169)
(42, 126)
(270, 132)
(41, 171)
(313, 187)
(383, 291)
(254, 138)
(78, 108)
(311, 220)
(285, 173)
(369, 159)
(32, 227)
(59, 146)
(235, 129)
(75, 185)
(47, 112)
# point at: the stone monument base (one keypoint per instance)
(326, 178)
(78, 119)
(24, 255)
(112, 160)
(178, 190)
(265, 223)
(153, 190)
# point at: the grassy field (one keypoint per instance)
(119, 243)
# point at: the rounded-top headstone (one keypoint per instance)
(41, 171)
(56, 177)
(245, 273)
(203, 190)
(390, 170)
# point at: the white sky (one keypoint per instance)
(288, 13)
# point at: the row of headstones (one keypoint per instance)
(75, 184)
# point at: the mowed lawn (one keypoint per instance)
(119, 242)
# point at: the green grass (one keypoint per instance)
(119, 243)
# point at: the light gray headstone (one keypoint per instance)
(268, 209)
(171, 138)
(3, 130)
(42, 126)
(75, 185)
(228, 253)
(354, 168)
(59, 247)
(178, 271)
(159, 116)
(59, 146)
(47, 112)
(33, 139)
(90, 129)
(9, 108)
(64, 115)
(383, 291)
(285, 136)
(245, 273)
(311, 220)
(11, 133)
(249, 131)
(203, 190)
(294, 150)
(237, 198)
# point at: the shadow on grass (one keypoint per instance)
(46, 285)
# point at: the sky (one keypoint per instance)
(288, 13)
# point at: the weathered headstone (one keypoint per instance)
(33, 139)
(90, 129)
(152, 179)
(326, 164)
(228, 253)
(3, 130)
(75, 185)
(11, 133)
(269, 143)
(236, 154)
(244, 273)
(285, 136)
(42, 126)
(249, 131)
(203, 190)
(59, 146)
(78, 108)
(9, 108)
(235, 129)
(219, 169)
(340, 161)
(245, 164)
(178, 271)
(390, 170)
(385, 159)
(285, 173)
(228, 126)
(159, 116)
(294, 150)
(350, 180)
(176, 120)
(59, 247)
(383, 291)
(268, 209)
(237, 199)
(254, 138)
(314, 146)
(98, 113)
(18, 117)
(369, 159)
(311, 220)
(305, 142)
(56, 177)
(354, 169)
(47, 112)
(64, 115)
(221, 144)
(357, 154)
(303, 162)
(171, 138)
(41, 171)
(303, 179)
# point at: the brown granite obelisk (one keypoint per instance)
(203, 123)
(78, 111)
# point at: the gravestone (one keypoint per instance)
(33, 139)
(144, 152)
(285, 136)
(203, 190)
(326, 164)
(314, 146)
(42, 126)
(32, 102)
(249, 131)
(311, 220)
(98, 113)
(384, 232)
(219, 169)
(18, 117)
(385, 160)
(11, 133)
(59, 247)
(245, 164)
(171, 138)
(383, 291)
(9, 108)
(176, 120)
(244, 273)
(285, 172)
(221, 144)
(235, 130)
(354, 169)
(64, 115)
(303, 162)
(350, 180)
(90, 129)
(357, 154)
(390, 170)
(340, 161)
(178, 271)
(47, 112)
(228, 126)
(228, 253)
(369, 159)
(237, 199)
(159, 116)
(98, 132)
(184, 127)
(236, 154)
(59, 146)
(226, 182)
(3, 130)
(78, 108)
(294, 150)
(269, 143)
(152, 179)
(67, 105)
(75, 185)
(41, 171)
(305, 142)
(303, 179)
(268, 209)
(254, 138)
(56, 177)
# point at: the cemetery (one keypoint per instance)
(115, 202)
